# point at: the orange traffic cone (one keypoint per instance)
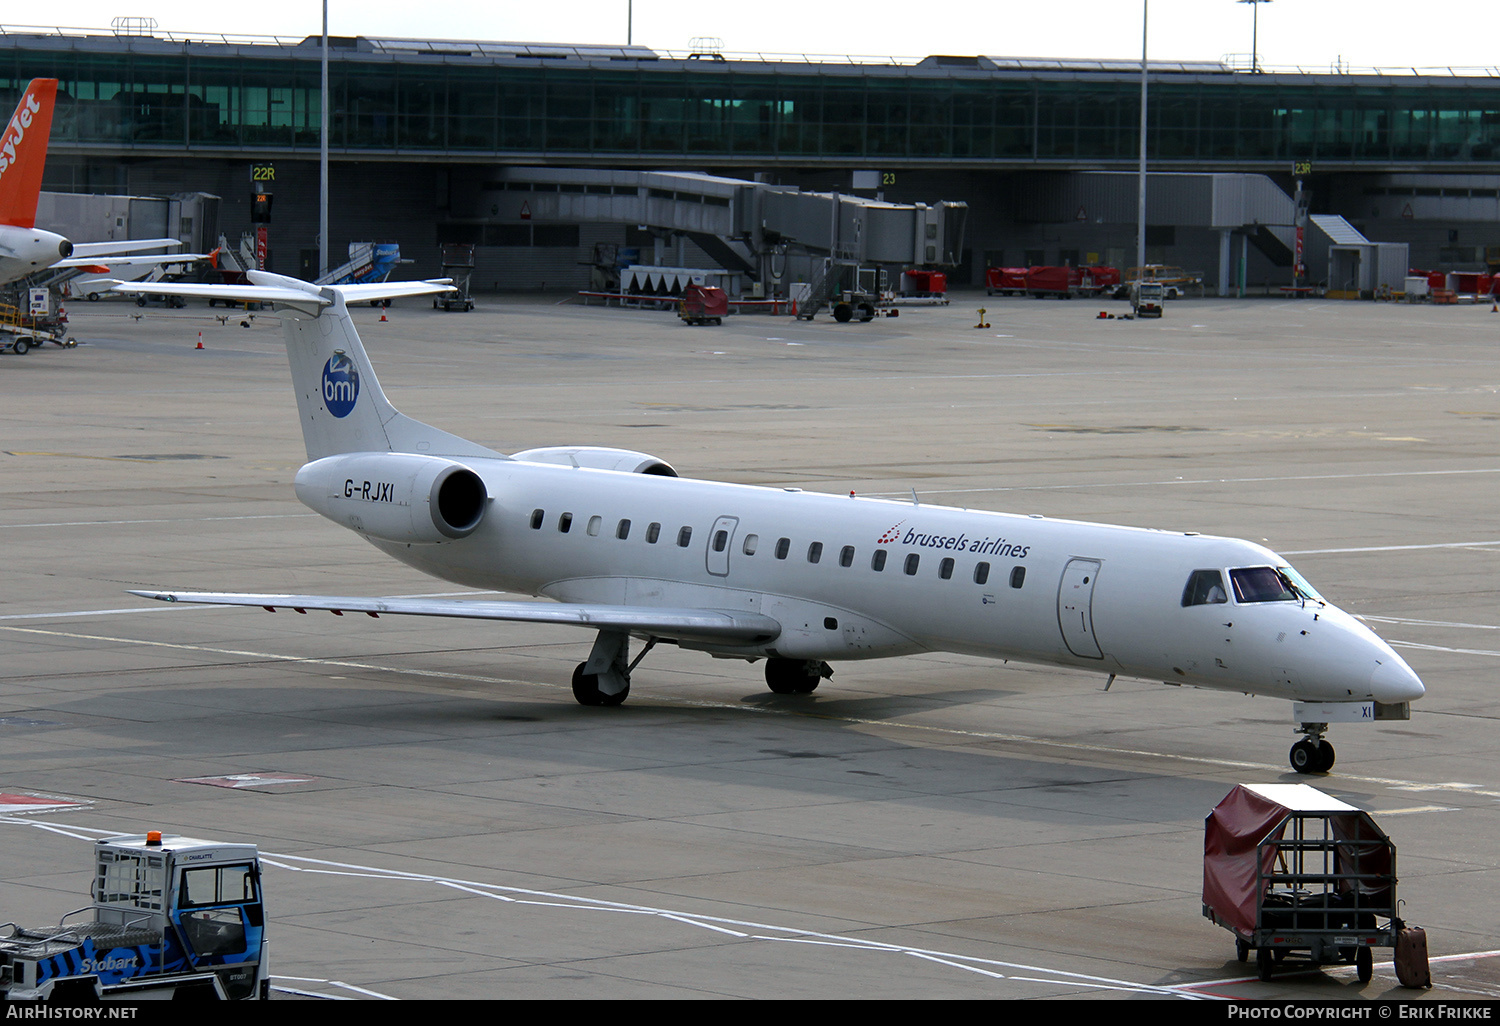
(200, 340)
(383, 317)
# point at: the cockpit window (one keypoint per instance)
(1299, 584)
(1204, 588)
(1261, 584)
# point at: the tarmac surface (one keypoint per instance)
(440, 819)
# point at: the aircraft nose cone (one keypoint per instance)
(1394, 681)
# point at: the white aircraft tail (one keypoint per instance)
(339, 400)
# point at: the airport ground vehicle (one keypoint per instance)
(1146, 298)
(1041, 282)
(1175, 281)
(21, 332)
(703, 304)
(172, 917)
(921, 284)
(1006, 281)
(458, 265)
(1290, 870)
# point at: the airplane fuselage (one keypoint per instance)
(25, 251)
(799, 579)
(852, 578)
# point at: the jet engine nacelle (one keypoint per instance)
(32, 247)
(595, 457)
(398, 497)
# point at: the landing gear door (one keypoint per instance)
(720, 541)
(1075, 616)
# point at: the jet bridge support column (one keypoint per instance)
(1226, 260)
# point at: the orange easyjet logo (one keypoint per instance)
(16, 130)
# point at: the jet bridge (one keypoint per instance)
(774, 235)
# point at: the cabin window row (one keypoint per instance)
(596, 523)
(783, 549)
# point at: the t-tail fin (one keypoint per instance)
(23, 153)
(339, 399)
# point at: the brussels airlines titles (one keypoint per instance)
(987, 547)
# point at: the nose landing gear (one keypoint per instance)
(1312, 754)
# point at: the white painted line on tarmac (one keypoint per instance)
(1428, 623)
(1412, 810)
(719, 924)
(1392, 548)
(1441, 648)
(160, 608)
(273, 657)
(1207, 481)
(327, 983)
(1344, 970)
(152, 606)
(157, 520)
(978, 735)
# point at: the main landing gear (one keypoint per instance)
(795, 676)
(1312, 754)
(605, 678)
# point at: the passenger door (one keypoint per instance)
(720, 541)
(1075, 617)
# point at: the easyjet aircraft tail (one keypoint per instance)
(23, 153)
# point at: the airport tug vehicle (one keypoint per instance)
(1299, 877)
(173, 918)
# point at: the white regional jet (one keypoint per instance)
(627, 548)
(24, 248)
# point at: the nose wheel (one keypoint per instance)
(1312, 754)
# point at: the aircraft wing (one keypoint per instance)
(132, 258)
(722, 625)
(95, 249)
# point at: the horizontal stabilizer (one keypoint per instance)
(699, 624)
(235, 293)
(276, 288)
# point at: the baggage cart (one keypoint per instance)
(458, 264)
(703, 304)
(1297, 875)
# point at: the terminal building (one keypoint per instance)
(431, 141)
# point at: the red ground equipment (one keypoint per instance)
(1005, 281)
(703, 304)
(924, 283)
(1287, 868)
(1063, 282)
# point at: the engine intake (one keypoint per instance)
(399, 497)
